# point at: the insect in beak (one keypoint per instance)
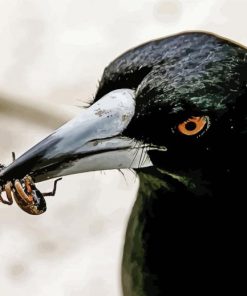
(26, 194)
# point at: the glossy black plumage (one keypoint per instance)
(186, 231)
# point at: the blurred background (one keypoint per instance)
(52, 55)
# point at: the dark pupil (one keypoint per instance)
(190, 126)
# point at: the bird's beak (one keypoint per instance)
(91, 141)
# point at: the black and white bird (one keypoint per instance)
(175, 110)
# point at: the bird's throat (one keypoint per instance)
(178, 241)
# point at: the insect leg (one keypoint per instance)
(53, 192)
(8, 190)
(22, 193)
(13, 156)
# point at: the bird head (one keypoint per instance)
(177, 104)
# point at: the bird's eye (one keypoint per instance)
(193, 126)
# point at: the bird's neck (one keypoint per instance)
(177, 232)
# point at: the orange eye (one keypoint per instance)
(193, 125)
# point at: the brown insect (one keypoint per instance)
(26, 194)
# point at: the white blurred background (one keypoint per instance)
(52, 54)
